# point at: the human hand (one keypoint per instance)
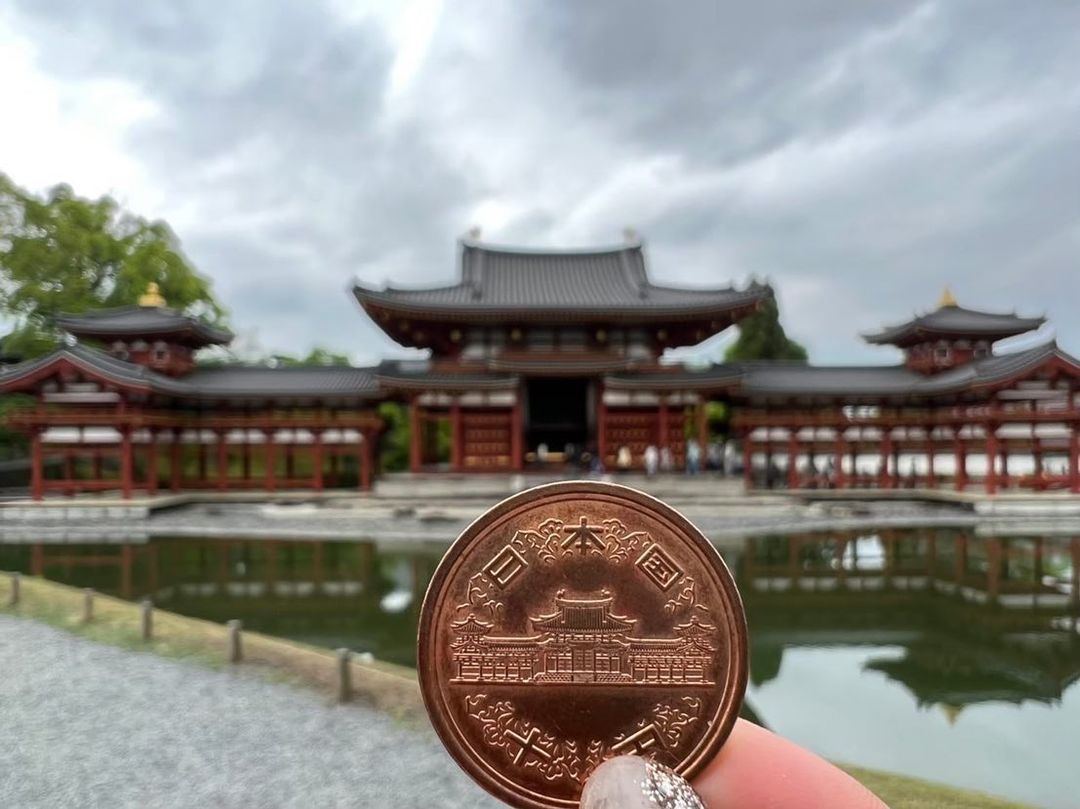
(755, 769)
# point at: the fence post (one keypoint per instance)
(87, 605)
(13, 596)
(146, 615)
(235, 651)
(344, 693)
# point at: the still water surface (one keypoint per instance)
(933, 652)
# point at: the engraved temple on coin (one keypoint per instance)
(583, 641)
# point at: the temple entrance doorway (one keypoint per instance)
(556, 417)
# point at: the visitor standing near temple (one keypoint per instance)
(652, 459)
(623, 458)
(667, 460)
(714, 456)
(693, 457)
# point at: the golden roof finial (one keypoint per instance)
(152, 296)
(947, 299)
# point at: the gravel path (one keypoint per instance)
(84, 725)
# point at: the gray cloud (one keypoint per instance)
(860, 155)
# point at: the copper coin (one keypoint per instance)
(574, 622)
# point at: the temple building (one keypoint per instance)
(582, 641)
(534, 355)
(134, 412)
(540, 359)
(952, 396)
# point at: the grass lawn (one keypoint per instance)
(901, 792)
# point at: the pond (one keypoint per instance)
(940, 653)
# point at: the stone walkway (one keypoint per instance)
(84, 726)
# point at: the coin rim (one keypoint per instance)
(726, 713)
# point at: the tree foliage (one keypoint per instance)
(317, 356)
(762, 337)
(396, 437)
(63, 253)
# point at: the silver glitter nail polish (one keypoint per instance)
(666, 790)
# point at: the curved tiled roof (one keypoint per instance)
(142, 321)
(781, 379)
(226, 382)
(558, 283)
(316, 381)
(954, 322)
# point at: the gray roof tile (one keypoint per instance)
(947, 321)
(227, 382)
(139, 321)
(558, 282)
(781, 379)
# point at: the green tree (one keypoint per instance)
(395, 438)
(761, 337)
(63, 253)
(317, 356)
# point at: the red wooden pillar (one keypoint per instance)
(222, 461)
(601, 425)
(517, 433)
(270, 460)
(793, 458)
(960, 459)
(415, 427)
(125, 463)
(884, 478)
(838, 461)
(317, 461)
(991, 458)
(37, 465)
(151, 464)
(457, 453)
(365, 461)
(1074, 457)
(174, 462)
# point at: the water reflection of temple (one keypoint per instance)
(966, 618)
(973, 619)
(582, 641)
(332, 593)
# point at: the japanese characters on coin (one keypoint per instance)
(574, 622)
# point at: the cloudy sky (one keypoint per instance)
(860, 155)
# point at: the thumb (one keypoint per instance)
(631, 782)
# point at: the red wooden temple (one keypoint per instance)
(537, 357)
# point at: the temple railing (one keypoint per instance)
(87, 417)
(951, 416)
